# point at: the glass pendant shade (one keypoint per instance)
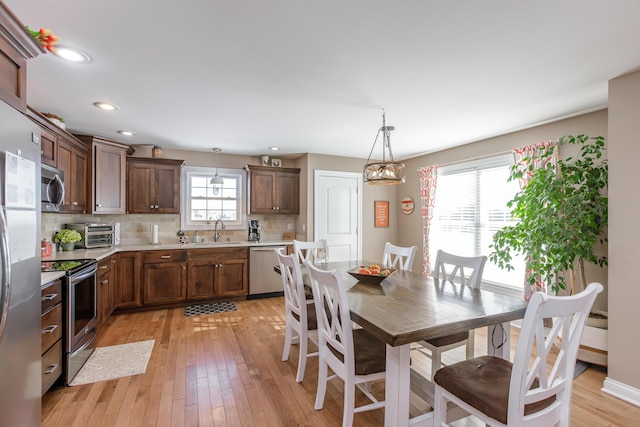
(217, 179)
(385, 172)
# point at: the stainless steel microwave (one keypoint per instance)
(51, 188)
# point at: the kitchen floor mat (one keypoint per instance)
(116, 361)
(215, 307)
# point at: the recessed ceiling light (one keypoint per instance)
(72, 54)
(126, 132)
(106, 106)
(274, 148)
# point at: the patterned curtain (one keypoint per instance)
(428, 181)
(526, 157)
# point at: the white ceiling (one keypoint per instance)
(313, 76)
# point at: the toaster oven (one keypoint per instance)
(94, 235)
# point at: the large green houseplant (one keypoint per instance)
(561, 214)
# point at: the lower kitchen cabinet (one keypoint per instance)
(164, 277)
(215, 273)
(106, 288)
(51, 333)
(127, 285)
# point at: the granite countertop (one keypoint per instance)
(101, 253)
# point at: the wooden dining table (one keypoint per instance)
(407, 307)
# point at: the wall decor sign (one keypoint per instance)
(407, 205)
(381, 213)
(276, 162)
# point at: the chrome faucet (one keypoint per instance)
(216, 234)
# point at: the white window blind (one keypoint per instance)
(471, 205)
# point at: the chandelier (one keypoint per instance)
(387, 171)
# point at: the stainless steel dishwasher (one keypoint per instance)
(263, 281)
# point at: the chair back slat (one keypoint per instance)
(294, 296)
(397, 256)
(310, 251)
(459, 263)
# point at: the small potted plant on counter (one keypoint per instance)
(67, 239)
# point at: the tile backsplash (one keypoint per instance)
(136, 229)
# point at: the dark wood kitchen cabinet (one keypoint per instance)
(107, 175)
(72, 160)
(164, 276)
(128, 276)
(16, 47)
(106, 288)
(273, 190)
(51, 333)
(153, 185)
(214, 273)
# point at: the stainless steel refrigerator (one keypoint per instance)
(20, 366)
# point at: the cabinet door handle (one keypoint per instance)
(51, 368)
(49, 297)
(98, 205)
(104, 282)
(74, 203)
(151, 207)
(156, 206)
(49, 329)
(165, 256)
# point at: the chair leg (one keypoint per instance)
(349, 403)
(440, 409)
(302, 358)
(322, 383)
(288, 336)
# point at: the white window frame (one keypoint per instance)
(185, 201)
(502, 160)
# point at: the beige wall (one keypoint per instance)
(373, 239)
(410, 226)
(624, 229)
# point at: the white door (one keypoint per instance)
(338, 213)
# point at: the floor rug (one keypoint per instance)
(216, 307)
(116, 361)
(580, 368)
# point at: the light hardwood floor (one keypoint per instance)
(225, 369)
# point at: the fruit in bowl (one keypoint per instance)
(371, 273)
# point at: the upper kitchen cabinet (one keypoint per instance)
(16, 47)
(107, 175)
(60, 149)
(273, 190)
(153, 185)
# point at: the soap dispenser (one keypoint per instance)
(196, 238)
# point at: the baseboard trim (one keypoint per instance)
(621, 391)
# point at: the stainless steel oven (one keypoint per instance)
(80, 311)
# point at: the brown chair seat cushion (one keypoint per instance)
(449, 339)
(312, 320)
(483, 383)
(370, 353)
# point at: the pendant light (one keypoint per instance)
(217, 179)
(384, 172)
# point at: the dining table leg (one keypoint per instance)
(499, 340)
(397, 386)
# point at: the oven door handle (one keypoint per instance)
(85, 345)
(88, 273)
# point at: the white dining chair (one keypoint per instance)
(399, 256)
(310, 251)
(456, 264)
(534, 390)
(300, 315)
(354, 355)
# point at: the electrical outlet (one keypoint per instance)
(289, 227)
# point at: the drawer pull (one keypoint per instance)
(49, 297)
(49, 329)
(104, 267)
(165, 256)
(51, 368)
